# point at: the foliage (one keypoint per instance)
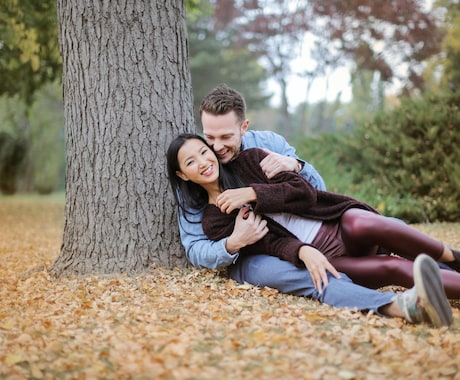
(40, 131)
(189, 323)
(47, 150)
(375, 35)
(451, 44)
(29, 55)
(323, 152)
(407, 159)
(213, 60)
(12, 154)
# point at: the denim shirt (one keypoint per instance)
(204, 253)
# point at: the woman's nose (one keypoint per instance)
(202, 160)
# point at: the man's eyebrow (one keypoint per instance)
(224, 135)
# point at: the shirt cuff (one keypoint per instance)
(234, 255)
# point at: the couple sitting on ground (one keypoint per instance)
(311, 234)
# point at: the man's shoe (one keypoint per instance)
(426, 301)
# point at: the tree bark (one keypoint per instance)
(127, 93)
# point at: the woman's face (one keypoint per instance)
(197, 163)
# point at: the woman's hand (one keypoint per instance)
(317, 264)
(249, 228)
(233, 199)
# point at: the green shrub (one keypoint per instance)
(408, 159)
(406, 163)
(323, 151)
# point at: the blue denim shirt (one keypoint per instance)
(204, 253)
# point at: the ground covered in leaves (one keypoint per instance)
(188, 324)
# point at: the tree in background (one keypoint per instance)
(444, 69)
(29, 59)
(379, 36)
(213, 60)
(127, 93)
(273, 31)
(393, 38)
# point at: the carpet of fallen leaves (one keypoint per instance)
(189, 323)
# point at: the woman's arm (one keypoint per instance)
(285, 192)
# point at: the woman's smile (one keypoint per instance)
(208, 171)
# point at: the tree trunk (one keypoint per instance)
(127, 93)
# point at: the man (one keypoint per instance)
(225, 127)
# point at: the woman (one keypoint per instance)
(198, 181)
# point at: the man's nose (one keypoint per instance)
(217, 145)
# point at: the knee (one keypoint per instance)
(357, 223)
(396, 267)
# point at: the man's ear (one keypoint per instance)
(181, 175)
(244, 127)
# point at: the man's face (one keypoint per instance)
(224, 133)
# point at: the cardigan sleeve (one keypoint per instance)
(216, 224)
(285, 192)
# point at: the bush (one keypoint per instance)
(407, 160)
(323, 152)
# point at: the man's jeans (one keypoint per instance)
(264, 270)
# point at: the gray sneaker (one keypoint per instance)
(426, 301)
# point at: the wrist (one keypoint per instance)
(231, 247)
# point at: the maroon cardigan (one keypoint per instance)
(286, 192)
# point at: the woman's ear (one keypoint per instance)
(181, 175)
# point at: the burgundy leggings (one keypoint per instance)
(364, 232)
(382, 270)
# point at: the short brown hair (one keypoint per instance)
(222, 100)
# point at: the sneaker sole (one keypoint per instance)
(429, 287)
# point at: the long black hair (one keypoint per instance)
(188, 194)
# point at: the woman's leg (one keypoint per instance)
(363, 231)
(379, 271)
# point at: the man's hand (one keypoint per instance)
(276, 163)
(232, 199)
(249, 228)
(317, 264)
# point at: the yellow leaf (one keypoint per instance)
(13, 359)
(7, 326)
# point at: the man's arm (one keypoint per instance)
(278, 144)
(205, 253)
(200, 251)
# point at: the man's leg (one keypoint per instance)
(264, 270)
